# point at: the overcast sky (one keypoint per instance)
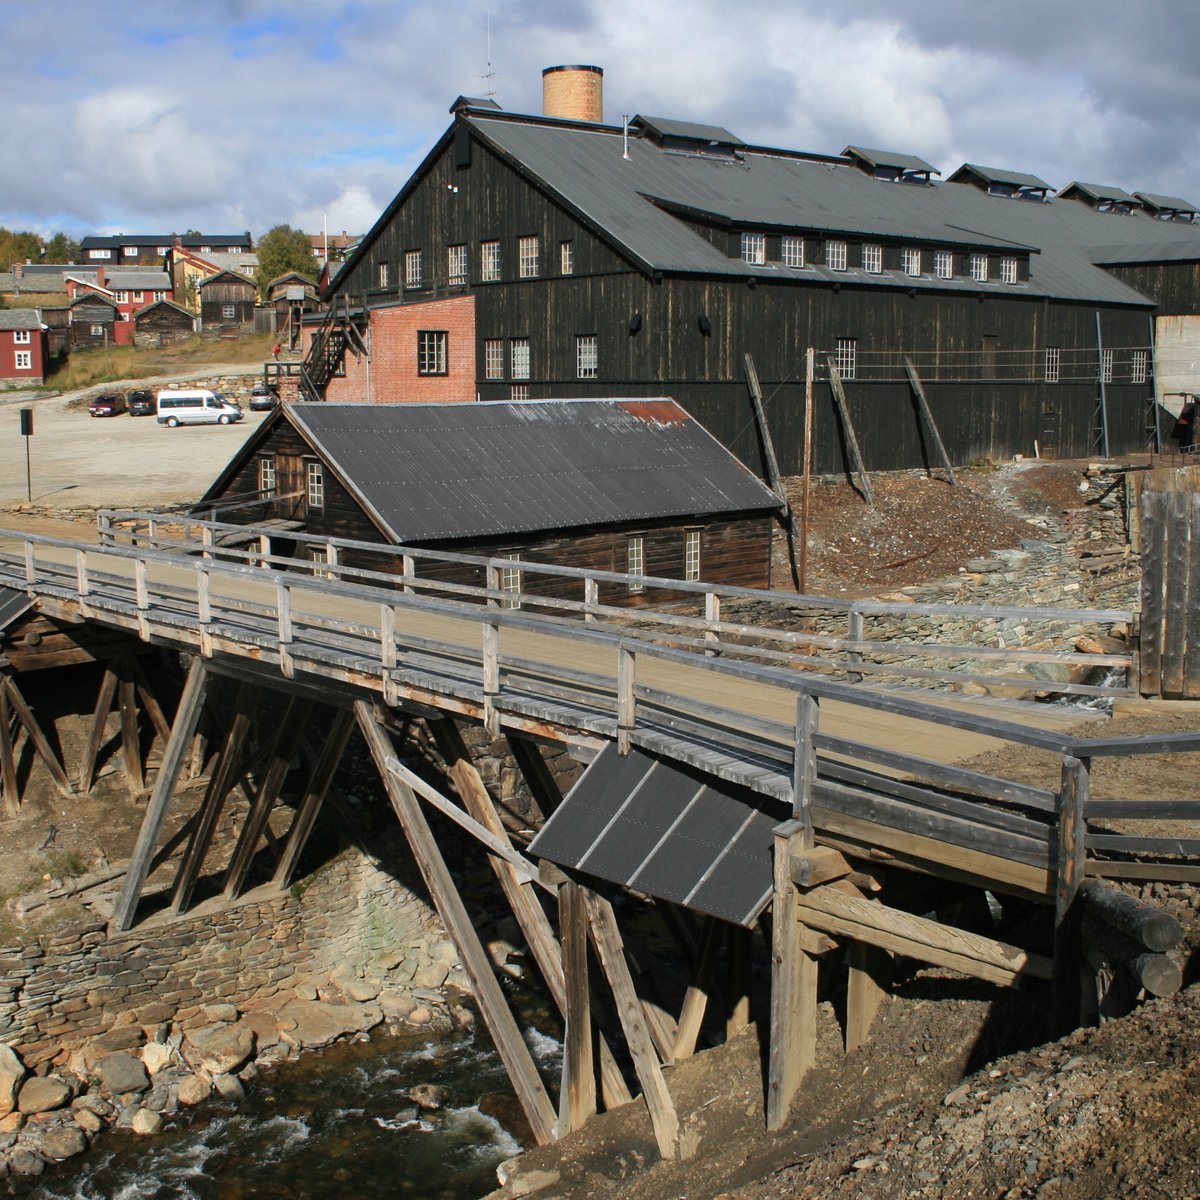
(232, 115)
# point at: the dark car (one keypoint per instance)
(110, 404)
(141, 403)
(263, 396)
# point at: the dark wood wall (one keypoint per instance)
(1173, 286)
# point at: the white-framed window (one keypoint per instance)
(510, 582)
(518, 353)
(910, 260)
(979, 268)
(519, 391)
(97, 330)
(382, 274)
(845, 357)
(456, 265)
(138, 297)
(22, 337)
(835, 255)
(1106, 365)
(872, 258)
(635, 562)
(314, 480)
(129, 251)
(99, 254)
(1008, 269)
(205, 249)
(754, 248)
(528, 256)
(943, 264)
(228, 312)
(1053, 363)
(493, 358)
(691, 554)
(586, 356)
(1138, 367)
(431, 351)
(23, 360)
(791, 251)
(266, 475)
(319, 557)
(161, 250)
(489, 261)
(566, 258)
(412, 268)
(121, 297)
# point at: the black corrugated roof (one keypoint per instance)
(1166, 203)
(691, 131)
(12, 604)
(890, 158)
(433, 472)
(1000, 175)
(1098, 191)
(667, 830)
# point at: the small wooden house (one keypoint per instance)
(292, 296)
(162, 324)
(93, 321)
(227, 302)
(633, 486)
(23, 346)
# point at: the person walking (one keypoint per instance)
(275, 351)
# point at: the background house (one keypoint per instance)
(162, 324)
(189, 268)
(227, 301)
(613, 485)
(23, 346)
(92, 322)
(151, 249)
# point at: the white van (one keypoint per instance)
(196, 407)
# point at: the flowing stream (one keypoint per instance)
(334, 1125)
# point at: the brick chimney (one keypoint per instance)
(576, 93)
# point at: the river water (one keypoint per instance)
(334, 1125)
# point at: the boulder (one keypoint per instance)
(396, 1003)
(432, 976)
(39, 1095)
(220, 1049)
(266, 1029)
(12, 1071)
(313, 1023)
(122, 1074)
(420, 1016)
(88, 1121)
(62, 1141)
(25, 1162)
(146, 1122)
(360, 990)
(429, 1095)
(156, 1056)
(220, 1013)
(195, 1089)
(229, 1087)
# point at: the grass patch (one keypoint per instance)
(33, 300)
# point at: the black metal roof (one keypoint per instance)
(1173, 204)
(12, 604)
(670, 831)
(892, 159)
(108, 241)
(435, 472)
(999, 175)
(690, 131)
(1097, 191)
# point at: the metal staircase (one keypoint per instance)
(341, 330)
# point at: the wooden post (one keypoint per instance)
(804, 763)
(82, 585)
(34, 731)
(87, 769)
(712, 618)
(854, 633)
(387, 636)
(610, 951)
(150, 704)
(809, 372)
(1072, 831)
(774, 480)
(190, 705)
(695, 1000)
(130, 739)
(737, 947)
(578, 1099)
(491, 676)
(856, 459)
(927, 416)
(204, 608)
(866, 989)
(283, 601)
(541, 783)
(591, 597)
(143, 598)
(626, 700)
(496, 1013)
(8, 759)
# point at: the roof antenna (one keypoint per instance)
(625, 135)
(489, 92)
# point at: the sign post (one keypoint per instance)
(27, 433)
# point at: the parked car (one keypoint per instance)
(263, 397)
(141, 403)
(110, 404)
(195, 406)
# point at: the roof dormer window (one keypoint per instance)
(835, 255)
(754, 248)
(872, 258)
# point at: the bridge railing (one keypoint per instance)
(917, 644)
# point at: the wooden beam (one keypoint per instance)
(927, 417)
(150, 701)
(541, 783)
(737, 948)
(104, 700)
(130, 740)
(186, 716)
(8, 758)
(577, 1101)
(286, 745)
(867, 987)
(1069, 877)
(492, 1005)
(856, 458)
(40, 742)
(695, 1000)
(610, 951)
(314, 795)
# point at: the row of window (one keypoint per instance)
(138, 297)
(913, 261)
(458, 263)
(433, 348)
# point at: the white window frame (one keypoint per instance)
(457, 266)
(1008, 269)
(872, 258)
(1053, 364)
(489, 261)
(566, 258)
(1139, 367)
(314, 483)
(943, 264)
(835, 255)
(96, 330)
(791, 251)
(1107, 358)
(754, 249)
(518, 358)
(382, 275)
(519, 391)
(691, 554)
(161, 251)
(121, 297)
(587, 356)
(266, 475)
(228, 312)
(510, 582)
(22, 337)
(129, 251)
(99, 254)
(23, 360)
(979, 268)
(318, 556)
(433, 352)
(635, 562)
(493, 358)
(910, 261)
(529, 256)
(413, 268)
(845, 357)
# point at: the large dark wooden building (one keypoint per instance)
(605, 485)
(602, 260)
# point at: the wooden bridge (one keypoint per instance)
(842, 786)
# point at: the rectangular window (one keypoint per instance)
(845, 357)
(518, 352)
(519, 391)
(456, 265)
(161, 251)
(381, 275)
(1138, 366)
(319, 557)
(412, 268)
(99, 254)
(510, 582)
(1106, 366)
(22, 337)
(835, 256)
(979, 268)
(943, 264)
(566, 258)
(138, 297)
(872, 258)
(754, 248)
(431, 352)
(266, 476)
(1053, 363)
(314, 479)
(635, 562)
(23, 360)
(121, 297)
(489, 255)
(97, 330)
(791, 251)
(1008, 269)
(910, 259)
(228, 312)
(691, 554)
(528, 256)
(585, 356)
(493, 358)
(129, 251)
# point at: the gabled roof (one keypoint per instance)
(1169, 204)
(666, 129)
(1096, 192)
(19, 318)
(170, 304)
(990, 175)
(890, 158)
(91, 297)
(440, 472)
(138, 281)
(236, 276)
